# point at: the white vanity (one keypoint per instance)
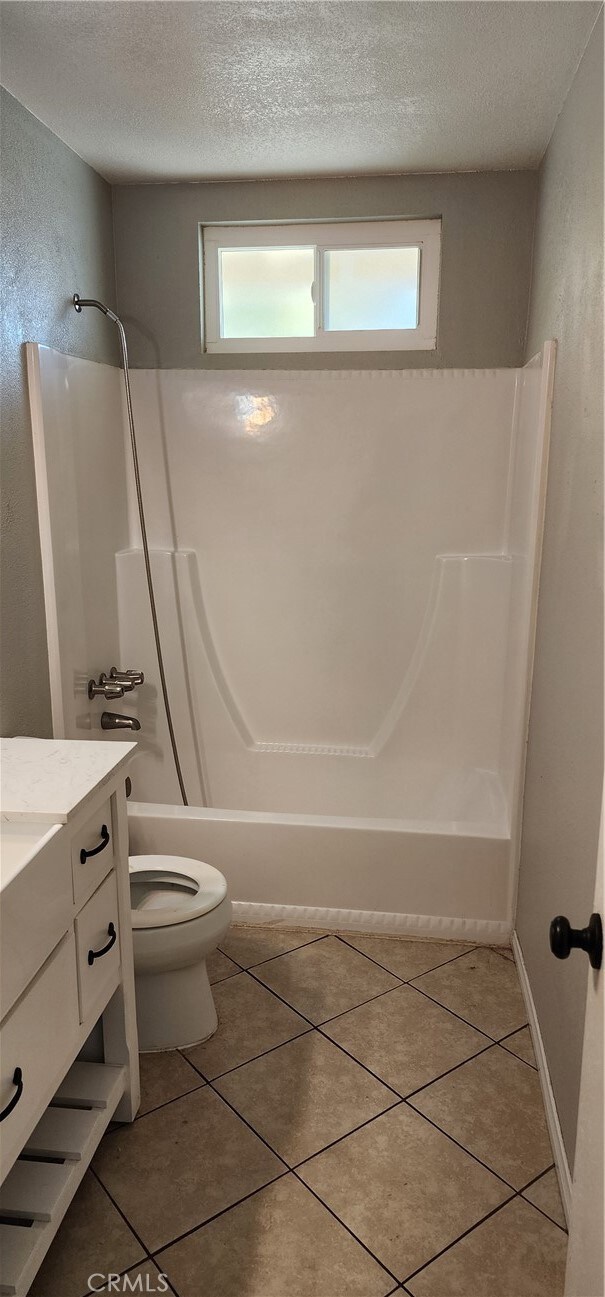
(65, 963)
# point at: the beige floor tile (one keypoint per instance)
(521, 1045)
(406, 957)
(251, 1020)
(279, 1241)
(325, 978)
(252, 945)
(404, 1189)
(516, 1253)
(304, 1095)
(179, 1165)
(143, 1280)
(405, 1039)
(493, 1106)
(545, 1195)
(483, 988)
(219, 966)
(165, 1076)
(93, 1239)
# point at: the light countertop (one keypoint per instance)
(45, 781)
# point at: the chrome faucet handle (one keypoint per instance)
(128, 679)
(105, 688)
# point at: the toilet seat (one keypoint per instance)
(169, 890)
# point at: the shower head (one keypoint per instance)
(79, 302)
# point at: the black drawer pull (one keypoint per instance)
(96, 954)
(18, 1081)
(84, 855)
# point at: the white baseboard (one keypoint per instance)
(479, 931)
(552, 1118)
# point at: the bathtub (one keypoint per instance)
(347, 601)
(448, 880)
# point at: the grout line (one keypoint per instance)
(167, 1102)
(365, 1247)
(378, 996)
(246, 967)
(215, 1216)
(399, 1100)
(511, 1054)
(545, 1215)
(245, 1121)
(342, 1013)
(427, 1085)
(227, 978)
(468, 1152)
(287, 1171)
(518, 1194)
(452, 1011)
(536, 1178)
(294, 1170)
(319, 1028)
(353, 1131)
(508, 958)
(363, 1065)
(494, 1039)
(530, 1185)
(259, 982)
(390, 970)
(465, 1234)
(271, 1050)
(124, 1217)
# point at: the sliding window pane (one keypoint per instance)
(371, 288)
(266, 292)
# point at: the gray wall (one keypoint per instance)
(564, 768)
(486, 258)
(56, 239)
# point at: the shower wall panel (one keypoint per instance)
(345, 567)
(81, 470)
(342, 587)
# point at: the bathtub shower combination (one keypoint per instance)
(346, 568)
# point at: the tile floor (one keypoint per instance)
(367, 1120)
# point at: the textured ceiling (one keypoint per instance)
(173, 91)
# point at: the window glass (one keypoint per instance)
(266, 292)
(371, 288)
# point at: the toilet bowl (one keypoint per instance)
(180, 913)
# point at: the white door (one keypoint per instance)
(586, 1256)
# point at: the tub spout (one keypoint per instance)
(115, 721)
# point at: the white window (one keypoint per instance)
(347, 286)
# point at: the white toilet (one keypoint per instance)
(180, 913)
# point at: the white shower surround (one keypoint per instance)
(346, 567)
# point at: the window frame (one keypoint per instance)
(333, 236)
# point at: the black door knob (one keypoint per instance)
(564, 938)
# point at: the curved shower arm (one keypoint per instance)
(78, 303)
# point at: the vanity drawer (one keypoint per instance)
(92, 852)
(98, 948)
(39, 1037)
(36, 911)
